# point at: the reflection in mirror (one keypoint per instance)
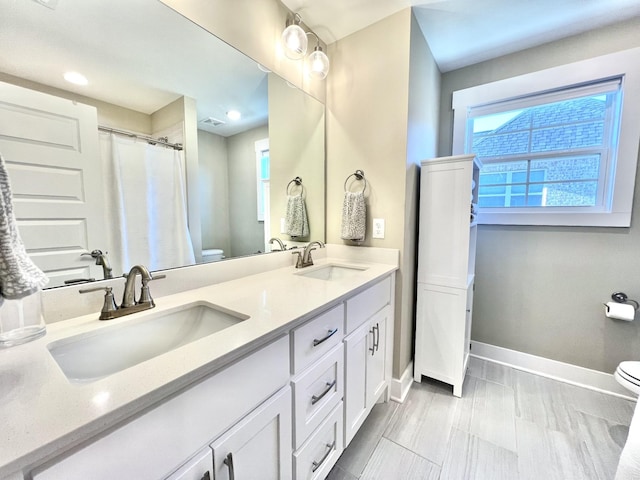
(222, 195)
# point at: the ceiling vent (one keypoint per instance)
(212, 122)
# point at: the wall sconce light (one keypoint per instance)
(295, 43)
(294, 39)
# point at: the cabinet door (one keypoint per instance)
(200, 467)
(376, 358)
(259, 446)
(356, 350)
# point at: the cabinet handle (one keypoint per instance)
(372, 349)
(206, 476)
(229, 463)
(377, 328)
(315, 399)
(330, 333)
(316, 465)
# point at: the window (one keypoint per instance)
(557, 146)
(262, 177)
(554, 151)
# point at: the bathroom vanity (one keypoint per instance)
(300, 358)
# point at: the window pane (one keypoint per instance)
(503, 169)
(585, 167)
(567, 137)
(574, 194)
(497, 201)
(494, 144)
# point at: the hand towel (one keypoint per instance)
(19, 276)
(354, 217)
(297, 223)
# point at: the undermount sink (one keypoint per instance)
(88, 357)
(332, 272)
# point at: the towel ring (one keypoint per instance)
(297, 181)
(359, 174)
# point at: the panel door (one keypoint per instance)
(259, 446)
(50, 146)
(376, 358)
(356, 350)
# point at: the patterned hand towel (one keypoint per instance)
(354, 217)
(296, 218)
(19, 276)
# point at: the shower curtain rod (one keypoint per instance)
(153, 141)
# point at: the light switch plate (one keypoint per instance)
(378, 228)
(283, 227)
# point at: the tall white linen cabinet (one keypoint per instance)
(446, 265)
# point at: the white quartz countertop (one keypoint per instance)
(43, 414)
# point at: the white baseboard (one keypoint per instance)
(400, 387)
(563, 372)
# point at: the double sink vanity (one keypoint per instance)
(267, 374)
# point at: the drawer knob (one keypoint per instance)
(316, 398)
(316, 465)
(330, 333)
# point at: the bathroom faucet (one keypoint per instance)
(102, 260)
(129, 296)
(129, 304)
(279, 242)
(305, 260)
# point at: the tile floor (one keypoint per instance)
(508, 424)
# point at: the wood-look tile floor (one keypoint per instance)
(509, 424)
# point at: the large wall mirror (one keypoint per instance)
(81, 185)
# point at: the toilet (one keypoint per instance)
(628, 375)
(212, 255)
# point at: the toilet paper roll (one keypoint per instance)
(621, 311)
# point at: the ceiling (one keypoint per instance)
(464, 32)
(127, 62)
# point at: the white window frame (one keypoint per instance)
(624, 64)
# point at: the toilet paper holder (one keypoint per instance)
(621, 297)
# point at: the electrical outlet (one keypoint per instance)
(283, 226)
(378, 228)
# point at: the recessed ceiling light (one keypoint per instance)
(234, 115)
(76, 78)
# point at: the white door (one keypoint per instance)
(50, 146)
(356, 349)
(376, 361)
(259, 446)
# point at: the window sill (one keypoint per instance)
(600, 219)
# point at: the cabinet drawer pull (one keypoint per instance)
(330, 333)
(372, 348)
(206, 476)
(316, 465)
(229, 463)
(316, 398)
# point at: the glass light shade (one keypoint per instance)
(295, 42)
(318, 64)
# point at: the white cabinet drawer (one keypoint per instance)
(316, 392)
(158, 441)
(365, 304)
(319, 454)
(315, 338)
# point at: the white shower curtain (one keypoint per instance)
(146, 205)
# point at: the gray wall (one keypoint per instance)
(247, 234)
(213, 176)
(540, 290)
